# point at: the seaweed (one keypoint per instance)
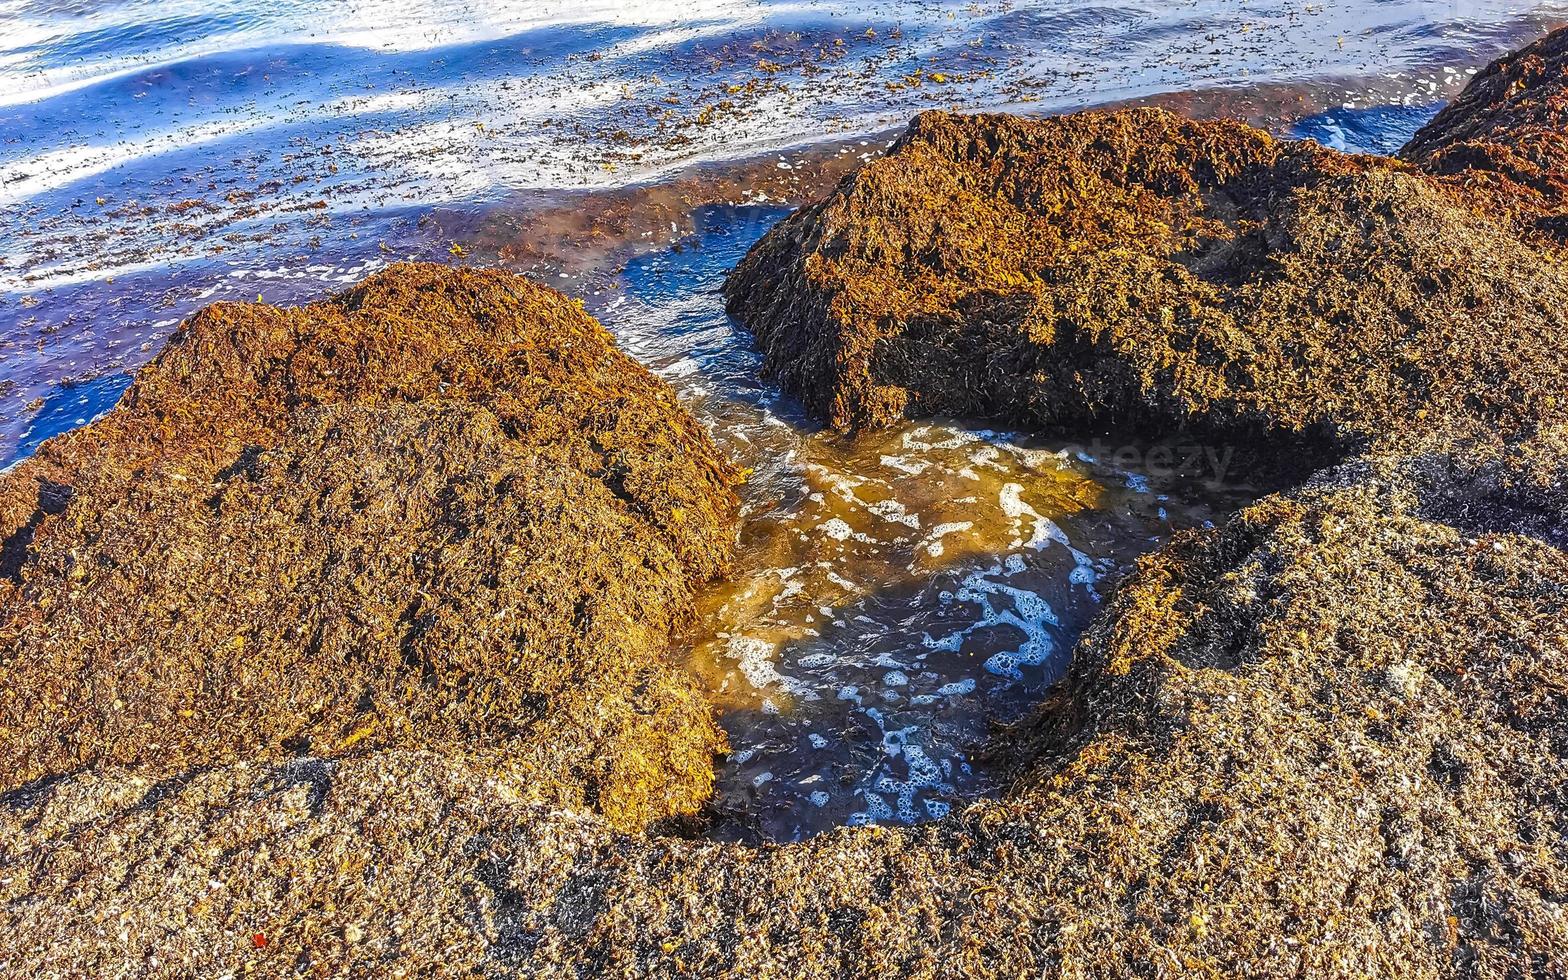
(439, 510)
(1505, 139)
(1324, 738)
(1136, 270)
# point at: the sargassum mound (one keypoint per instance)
(1141, 271)
(1506, 138)
(437, 511)
(1324, 739)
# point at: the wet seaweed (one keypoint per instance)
(1137, 270)
(438, 510)
(1505, 138)
(1323, 739)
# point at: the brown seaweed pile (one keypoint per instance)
(1136, 269)
(438, 510)
(1506, 137)
(1325, 739)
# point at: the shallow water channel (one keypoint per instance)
(898, 593)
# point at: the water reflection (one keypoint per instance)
(897, 592)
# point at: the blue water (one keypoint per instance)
(673, 298)
(1372, 129)
(155, 156)
(69, 407)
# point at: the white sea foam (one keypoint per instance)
(932, 544)
(1002, 604)
(757, 661)
(1043, 530)
(434, 101)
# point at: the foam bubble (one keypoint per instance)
(1025, 610)
(932, 544)
(756, 660)
(837, 529)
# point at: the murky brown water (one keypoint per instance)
(897, 593)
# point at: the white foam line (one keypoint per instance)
(402, 26)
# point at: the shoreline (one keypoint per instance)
(343, 644)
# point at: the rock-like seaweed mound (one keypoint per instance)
(1323, 740)
(1506, 137)
(438, 511)
(1138, 270)
(305, 644)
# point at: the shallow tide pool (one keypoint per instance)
(898, 593)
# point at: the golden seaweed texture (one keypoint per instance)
(1505, 139)
(439, 511)
(1138, 270)
(1325, 739)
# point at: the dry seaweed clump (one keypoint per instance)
(1138, 270)
(437, 511)
(1323, 740)
(1505, 138)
